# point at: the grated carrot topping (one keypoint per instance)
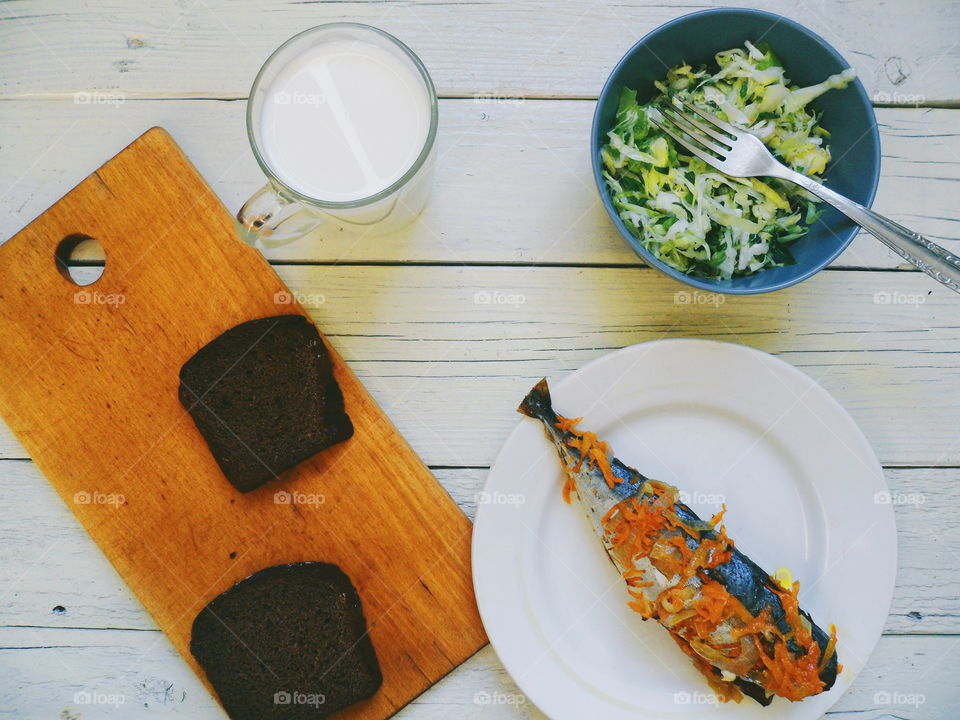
(567, 424)
(591, 449)
(647, 525)
(621, 535)
(781, 672)
(638, 582)
(609, 514)
(599, 457)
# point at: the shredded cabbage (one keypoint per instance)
(695, 218)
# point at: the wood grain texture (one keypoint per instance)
(556, 48)
(105, 360)
(893, 367)
(431, 341)
(48, 561)
(513, 179)
(908, 678)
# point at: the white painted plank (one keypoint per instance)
(514, 180)
(427, 344)
(90, 674)
(52, 674)
(541, 47)
(52, 574)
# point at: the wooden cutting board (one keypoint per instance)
(88, 382)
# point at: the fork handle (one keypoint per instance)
(937, 262)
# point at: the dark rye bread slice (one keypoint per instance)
(264, 398)
(289, 642)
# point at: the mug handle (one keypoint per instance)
(271, 219)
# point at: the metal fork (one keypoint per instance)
(739, 153)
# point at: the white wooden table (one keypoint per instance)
(515, 212)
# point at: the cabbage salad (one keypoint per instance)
(695, 218)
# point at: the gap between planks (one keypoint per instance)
(228, 97)
(499, 264)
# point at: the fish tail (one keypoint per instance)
(537, 404)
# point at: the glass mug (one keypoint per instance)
(342, 120)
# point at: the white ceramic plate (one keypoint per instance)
(725, 423)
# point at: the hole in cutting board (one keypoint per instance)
(81, 259)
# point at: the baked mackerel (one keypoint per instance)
(742, 628)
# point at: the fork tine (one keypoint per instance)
(682, 122)
(711, 160)
(690, 118)
(725, 126)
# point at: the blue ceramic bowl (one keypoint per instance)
(808, 59)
